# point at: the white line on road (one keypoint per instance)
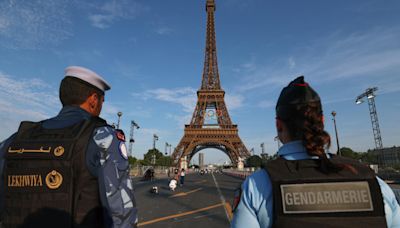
(221, 197)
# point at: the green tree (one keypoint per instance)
(348, 152)
(132, 160)
(254, 161)
(148, 157)
(160, 159)
(164, 161)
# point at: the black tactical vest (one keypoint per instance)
(46, 181)
(306, 197)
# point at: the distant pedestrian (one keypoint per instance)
(182, 179)
(172, 184)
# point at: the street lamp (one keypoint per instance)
(155, 138)
(166, 148)
(119, 114)
(337, 138)
(276, 138)
(252, 151)
(131, 139)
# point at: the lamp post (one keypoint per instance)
(279, 142)
(131, 139)
(155, 138)
(337, 138)
(119, 114)
(166, 148)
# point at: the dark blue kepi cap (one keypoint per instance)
(296, 93)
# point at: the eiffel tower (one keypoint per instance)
(211, 126)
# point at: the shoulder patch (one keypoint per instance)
(120, 135)
(123, 151)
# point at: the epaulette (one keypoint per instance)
(120, 134)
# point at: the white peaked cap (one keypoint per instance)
(87, 76)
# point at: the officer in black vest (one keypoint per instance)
(70, 170)
(306, 187)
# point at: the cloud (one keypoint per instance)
(185, 96)
(233, 101)
(291, 63)
(113, 11)
(266, 104)
(24, 99)
(164, 31)
(33, 24)
(371, 53)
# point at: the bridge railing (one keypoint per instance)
(239, 173)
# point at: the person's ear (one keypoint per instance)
(93, 100)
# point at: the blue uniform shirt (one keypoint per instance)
(106, 158)
(256, 203)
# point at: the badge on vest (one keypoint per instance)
(123, 151)
(54, 180)
(326, 197)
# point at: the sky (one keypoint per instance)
(152, 54)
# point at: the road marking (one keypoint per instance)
(228, 209)
(222, 198)
(185, 193)
(179, 215)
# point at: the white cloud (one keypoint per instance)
(233, 101)
(33, 24)
(23, 99)
(113, 10)
(266, 104)
(185, 96)
(164, 31)
(291, 63)
(369, 54)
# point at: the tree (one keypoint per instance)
(132, 160)
(155, 157)
(254, 161)
(151, 155)
(348, 152)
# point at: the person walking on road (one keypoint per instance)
(307, 187)
(70, 170)
(182, 177)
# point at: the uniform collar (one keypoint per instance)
(295, 150)
(74, 111)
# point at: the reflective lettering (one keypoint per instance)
(296, 198)
(336, 197)
(364, 196)
(24, 181)
(288, 199)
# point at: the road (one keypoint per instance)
(203, 201)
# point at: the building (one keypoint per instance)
(387, 157)
(201, 160)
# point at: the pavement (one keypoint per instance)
(203, 201)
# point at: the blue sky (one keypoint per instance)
(152, 54)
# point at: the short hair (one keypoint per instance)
(74, 91)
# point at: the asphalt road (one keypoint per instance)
(203, 201)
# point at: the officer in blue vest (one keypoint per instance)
(306, 187)
(69, 170)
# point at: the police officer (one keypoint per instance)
(306, 187)
(69, 170)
